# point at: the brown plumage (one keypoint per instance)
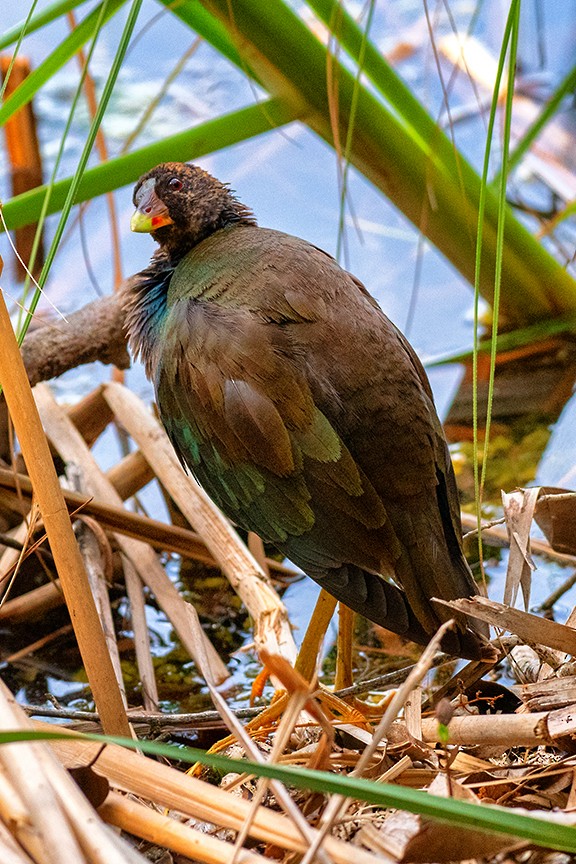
(298, 405)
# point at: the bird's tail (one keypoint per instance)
(386, 605)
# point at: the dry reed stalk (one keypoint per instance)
(171, 538)
(33, 604)
(39, 823)
(506, 730)
(10, 558)
(92, 414)
(10, 851)
(413, 713)
(190, 796)
(344, 675)
(531, 628)
(130, 475)
(271, 626)
(142, 648)
(23, 151)
(125, 813)
(241, 734)
(76, 834)
(337, 803)
(95, 551)
(499, 537)
(67, 558)
(70, 444)
(38, 644)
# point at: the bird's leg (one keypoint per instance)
(307, 659)
(344, 677)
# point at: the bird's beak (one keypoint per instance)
(151, 214)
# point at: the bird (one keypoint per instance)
(298, 406)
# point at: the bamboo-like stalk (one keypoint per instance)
(165, 831)
(150, 696)
(67, 558)
(10, 852)
(344, 676)
(307, 659)
(61, 823)
(69, 443)
(41, 826)
(271, 625)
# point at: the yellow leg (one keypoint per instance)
(307, 659)
(344, 657)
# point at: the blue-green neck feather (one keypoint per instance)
(146, 307)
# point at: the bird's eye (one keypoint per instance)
(175, 184)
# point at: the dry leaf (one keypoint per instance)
(519, 512)
(556, 515)
(414, 838)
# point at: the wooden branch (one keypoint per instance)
(95, 332)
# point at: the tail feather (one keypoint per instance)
(386, 605)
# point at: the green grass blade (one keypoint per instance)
(512, 339)
(514, 19)
(484, 192)
(566, 87)
(184, 146)
(22, 33)
(57, 59)
(87, 149)
(499, 820)
(23, 311)
(35, 22)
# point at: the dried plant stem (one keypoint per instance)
(171, 538)
(10, 851)
(67, 558)
(307, 659)
(150, 696)
(344, 676)
(241, 734)
(167, 832)
(61, 825)
(337, 802)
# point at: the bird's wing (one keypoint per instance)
(241, 415)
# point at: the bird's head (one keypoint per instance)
(180, 205)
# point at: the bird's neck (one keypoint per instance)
(176, 242)
(145, 307)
